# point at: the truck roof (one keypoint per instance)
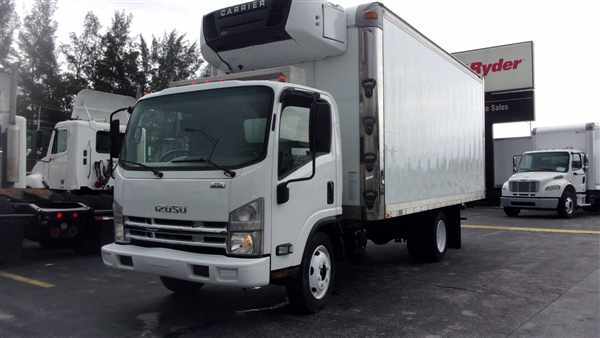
(228, 84)
(553, 151)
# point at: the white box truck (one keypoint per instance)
(561, 172)
(340, 125)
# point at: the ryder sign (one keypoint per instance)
(507, 67)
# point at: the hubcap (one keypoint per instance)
(319, 272)
(440, 235)
(569, 205)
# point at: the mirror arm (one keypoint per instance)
(111, 163)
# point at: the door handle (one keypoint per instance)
(330, 192)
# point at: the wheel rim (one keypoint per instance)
(319, 272)
(569, 205)
(440, 235)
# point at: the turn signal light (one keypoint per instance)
(371, 15)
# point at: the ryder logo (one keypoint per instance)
(502, 65)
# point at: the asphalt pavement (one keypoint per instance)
(513, 277)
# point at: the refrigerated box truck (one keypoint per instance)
(561, 172)
(332, 126)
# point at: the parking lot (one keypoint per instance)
(536, 275)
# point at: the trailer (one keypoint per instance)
(332, 126)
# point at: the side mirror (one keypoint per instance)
(283, 193)
(516, 161)
(115, 132)
(115, 139)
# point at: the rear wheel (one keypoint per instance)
(567, 204)
(310, 290)
(179, 286)
(512, 212)
(429, 241)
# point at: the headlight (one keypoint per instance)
(245, 230)
(120, 236)
(552, 188)
(505, 186)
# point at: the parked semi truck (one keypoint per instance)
(70, 189)
(562, 174)
(332, 127)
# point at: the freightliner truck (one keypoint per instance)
(331, 127)
(69, 191)
(562, 174)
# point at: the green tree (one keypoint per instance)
(117, 70)
(171, 58)
(8, 23)
(40, 81)
(83, 52)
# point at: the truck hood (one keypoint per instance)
(541, 176)
(179, 199)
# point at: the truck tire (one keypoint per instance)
(179, 286)
(309, 291)
(512, 212)
(429, 242)
(567, 204)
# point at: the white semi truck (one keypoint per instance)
(79, 152)
(70, 189)
(562, 173)
(332, 126)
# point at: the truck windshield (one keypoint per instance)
(228, 127)
(550, 161)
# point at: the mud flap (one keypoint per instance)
(454, 229)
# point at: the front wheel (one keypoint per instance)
(310, 290)
(512, 212)
(567, 204)
(179, 286)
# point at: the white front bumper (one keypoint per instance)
(222, 270)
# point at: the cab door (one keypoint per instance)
(579, 176)
(58, 159)
(313, 196)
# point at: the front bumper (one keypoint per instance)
(529, 202)
(208, 269)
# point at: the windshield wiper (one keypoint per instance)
(227, 172)
(156, 172)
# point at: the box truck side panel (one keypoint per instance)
(574, 138)
(433, 127)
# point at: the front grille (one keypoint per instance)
(180, 233)
(524, 186)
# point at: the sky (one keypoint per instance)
(565, 36)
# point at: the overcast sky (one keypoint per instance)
(565, 34)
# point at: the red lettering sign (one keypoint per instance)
(500, 66)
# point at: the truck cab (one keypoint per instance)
(77, 157)
(548, 179)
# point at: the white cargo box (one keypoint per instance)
(412, 116)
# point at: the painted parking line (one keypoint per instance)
(529, 229)
(26, 280)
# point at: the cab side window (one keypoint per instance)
(294, 147)
(577, 163)
(60, 141)
(294, 136)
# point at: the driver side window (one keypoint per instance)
(577, 162)
(60, 141)
(294, 147)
